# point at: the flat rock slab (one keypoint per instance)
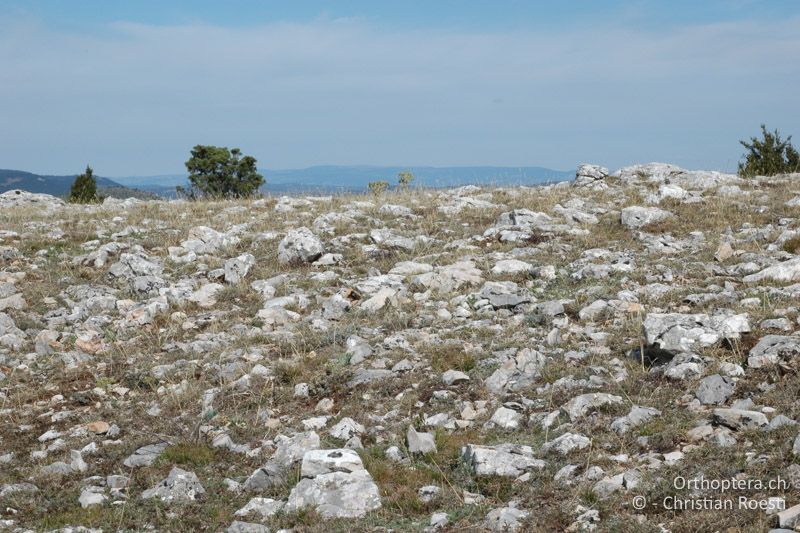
(146, 455)
(18, 198)
(507, 460)
(504, 294)
(773, 349)
(682, 332)
(318, 462)
(737, 419)
(786, 272)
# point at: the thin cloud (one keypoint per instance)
(136, 97)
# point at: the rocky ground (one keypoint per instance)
(531, 359)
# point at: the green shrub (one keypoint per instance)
(378, 187)
(84, 188)
(769, 156)
(404, 180)
(217, 172)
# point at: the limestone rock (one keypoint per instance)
(92, 496)
(786, 272)
(507, 460)
(637, 216)
(317, 462)
(454, 377)
(179, 485)
(504, 294)
(715, 390)
(582, 405)
(772, 350)
(145, 456)
(516, 373)
(636, 417)
(420, 442)
(512, 267)
(567, 443)
(681, 333)
(237, 526)
(236, 269)
(262, 507)
(591, 176)
(740, 418)
(505, 519)
(206, 296)
(18, 198)
(299, 246)
(505, 418)
(346, 493)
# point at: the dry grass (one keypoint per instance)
(317, 358)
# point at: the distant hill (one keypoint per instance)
(60, 185)
(360, 176)
(327, 179)
(319, 179)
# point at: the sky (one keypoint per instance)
(130, 87)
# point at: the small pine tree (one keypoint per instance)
(84, 189)
(378, 187)
(218, 173)
(769, 156)
(404, 180)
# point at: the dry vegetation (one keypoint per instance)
(207, 348)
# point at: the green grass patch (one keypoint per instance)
(187, 453)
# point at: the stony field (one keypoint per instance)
(553, 358)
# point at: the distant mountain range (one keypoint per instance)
(317, 179)
(331, 179)
(60, 185)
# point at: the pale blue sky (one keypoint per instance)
(130, 86)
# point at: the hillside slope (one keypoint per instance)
(60, 185)
(549, 358)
